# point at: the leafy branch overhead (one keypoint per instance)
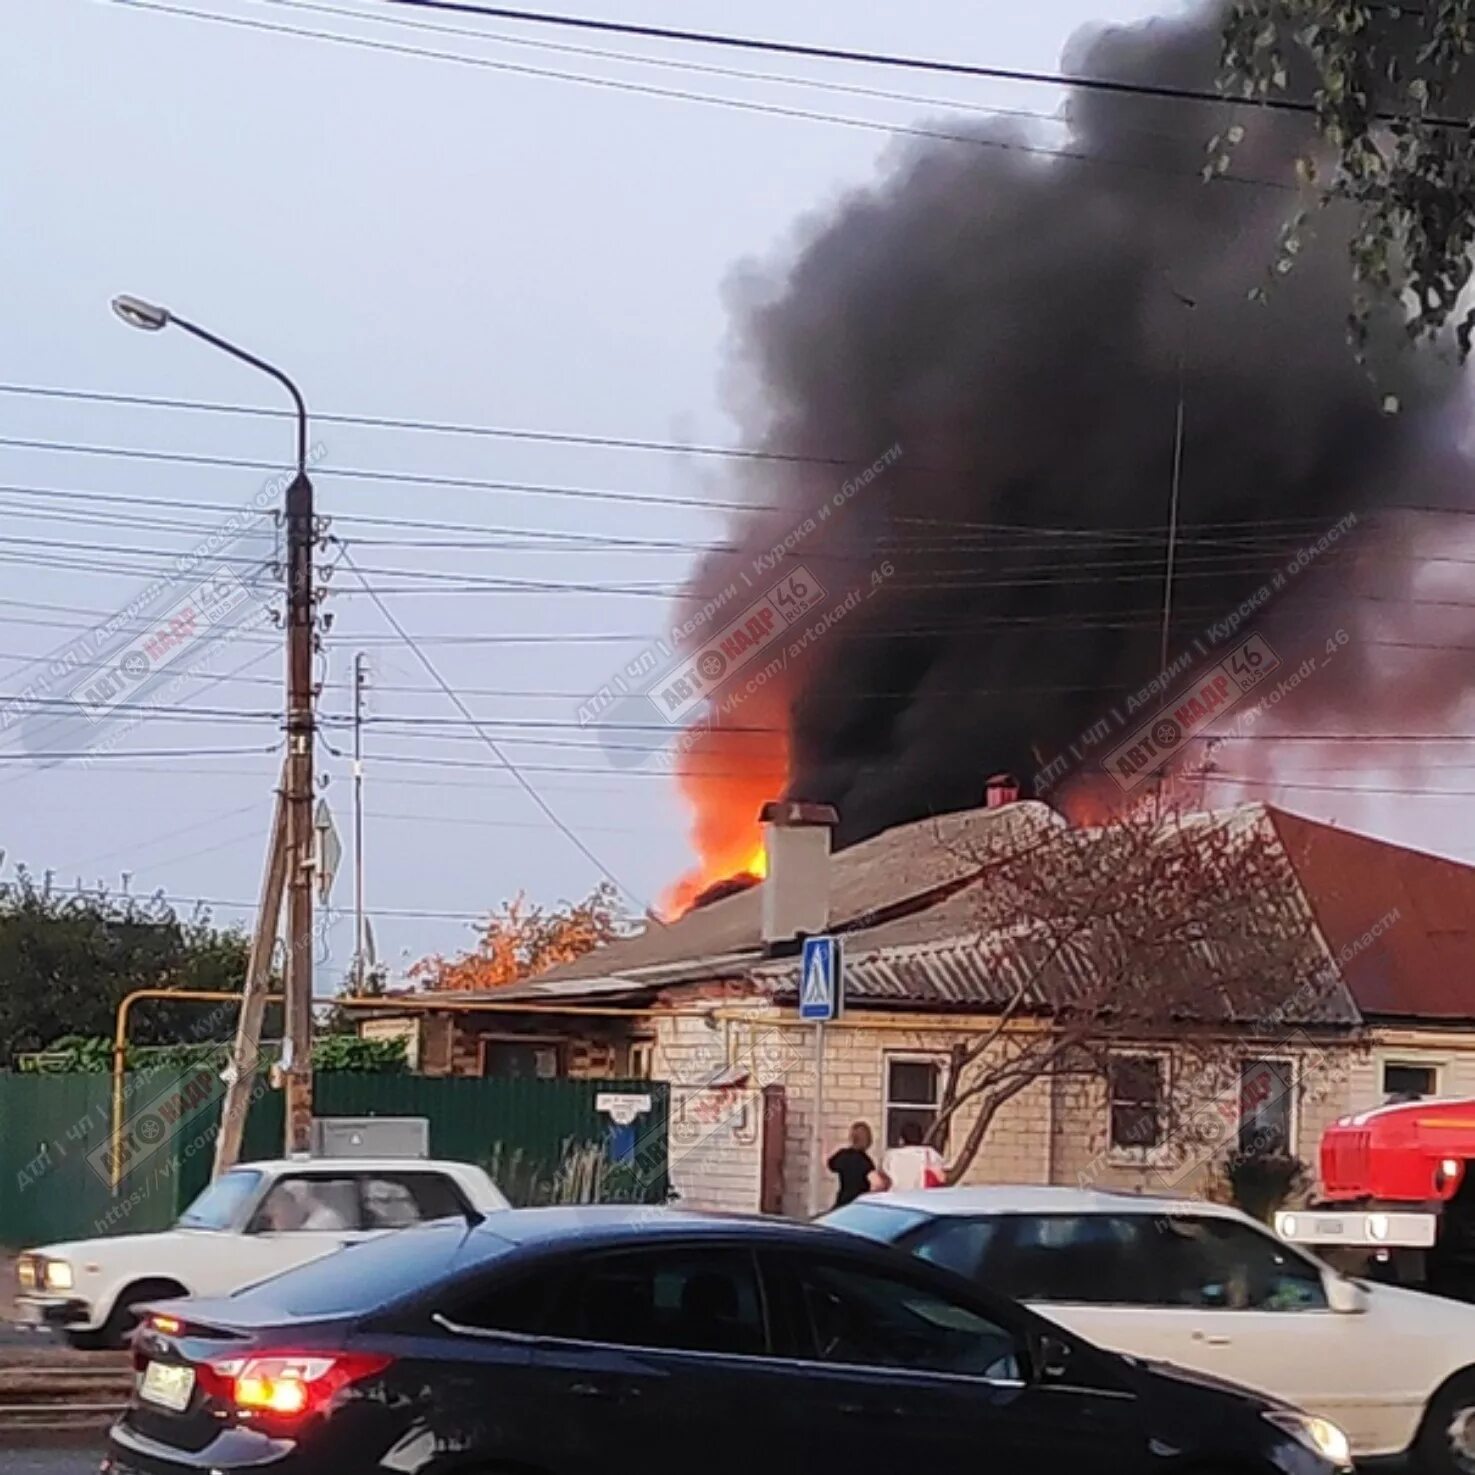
(1388, 86)
(520, 939)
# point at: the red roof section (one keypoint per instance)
(1400, 923)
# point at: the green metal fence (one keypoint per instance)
(543, 1141)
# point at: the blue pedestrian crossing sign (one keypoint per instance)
(821, 979)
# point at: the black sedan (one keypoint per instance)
(585, 1341)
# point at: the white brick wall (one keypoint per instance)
(1054, 1131)
(688, 1051)
(716, 1148)
(1205, 1118)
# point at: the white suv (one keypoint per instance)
(251, 1222)
(1206, 1287)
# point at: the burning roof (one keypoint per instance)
(914, 906)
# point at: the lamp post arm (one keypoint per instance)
(257, 363)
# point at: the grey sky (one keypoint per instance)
(417, 239)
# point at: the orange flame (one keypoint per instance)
(727, 777)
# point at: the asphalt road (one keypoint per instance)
(50, 1461)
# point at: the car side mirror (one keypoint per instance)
(1345, 1296)
(1052, 1358)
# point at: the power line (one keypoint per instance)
(1021, 537)
(159, 839)
(508, 824)
(459, 483)
(527, 787)
(439, 427)
(671, 64)
(1275, 526)
(973, 140)
(417, 913)
(239, 838)
(1376, 790)
(1106, 85)
(108, 755)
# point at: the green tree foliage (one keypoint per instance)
(66, 962)
(1390, 88)
(94, 1054)
(348, 1052)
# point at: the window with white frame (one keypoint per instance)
(1267, 1099)
(1405, 1081)
(1137, 1093)
(913, 1093)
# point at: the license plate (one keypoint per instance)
(168, 1385)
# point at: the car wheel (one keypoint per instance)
(86, 1341)
(1446, 1443)
(118, 1328)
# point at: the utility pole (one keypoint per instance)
(240, 1074)
(360, 940)
(301, 835)
(294, 834)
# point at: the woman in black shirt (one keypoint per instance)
(853, 1166)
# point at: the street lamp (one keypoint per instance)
(140, 314)
(298, 786)
(152, 319)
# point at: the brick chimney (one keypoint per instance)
(796, 890)
(1001, 789)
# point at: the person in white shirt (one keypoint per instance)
(913, 1165)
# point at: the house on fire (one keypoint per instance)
(1121, 1005)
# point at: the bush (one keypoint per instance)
(1261, 1183)
(367, 1057)
(93, 1054)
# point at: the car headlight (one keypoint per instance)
(58, 1275)
(1320, 1436)
(25, 1272)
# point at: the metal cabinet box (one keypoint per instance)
(371, 1136)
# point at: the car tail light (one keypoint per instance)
(287, 1385)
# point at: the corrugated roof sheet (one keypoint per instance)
(1422, 963)
(1029, 969)
(885, 871)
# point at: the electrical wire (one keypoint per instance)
(972, 139)
(417, 913)
(531, 790)
(171, 834)
(109, 755)
(458, 483)
(89, 495)
(438, 427)
(1112, 86)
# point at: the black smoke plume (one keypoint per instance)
(1016, 312)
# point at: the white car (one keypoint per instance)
(250, 1223)
(1208, 1288)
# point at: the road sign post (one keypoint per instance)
(821, 999)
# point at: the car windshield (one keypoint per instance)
(219, 1206)
(884, 1222)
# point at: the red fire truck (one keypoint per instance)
(1397, 1203)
